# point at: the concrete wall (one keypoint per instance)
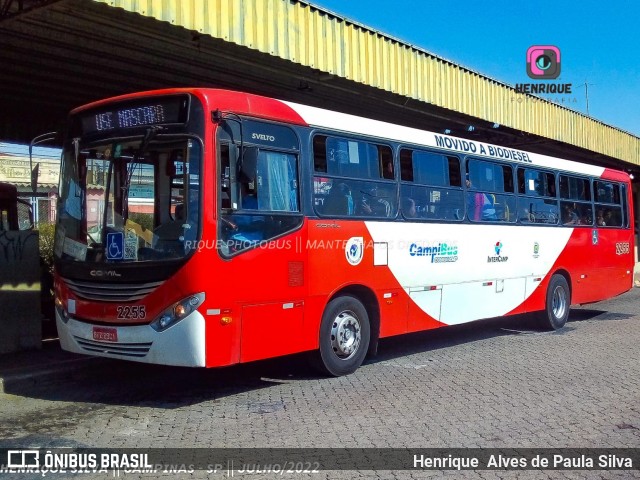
(20, 319)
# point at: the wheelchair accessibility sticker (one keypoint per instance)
(115, 246)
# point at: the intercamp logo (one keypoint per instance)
(497, 257)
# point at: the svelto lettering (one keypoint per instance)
(263, 137)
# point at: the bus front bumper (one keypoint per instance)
(182, 344)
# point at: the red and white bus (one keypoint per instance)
(271, 228)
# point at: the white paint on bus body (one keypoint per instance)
(468, 260)
(318, 117)
(182, 344)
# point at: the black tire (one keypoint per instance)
(344, 337)
(557, 305)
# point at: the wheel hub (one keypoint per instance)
(345, 335)
(559, 302)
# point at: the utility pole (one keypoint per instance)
(586, 94)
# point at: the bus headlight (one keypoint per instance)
(64, 316)
(62, 312)
(177, 312)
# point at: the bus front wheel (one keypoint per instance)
(558, 303)
(344, 336)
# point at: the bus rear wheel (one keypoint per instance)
(344, 336)
(558, 303)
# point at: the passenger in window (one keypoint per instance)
(569, 215)
(583, 191)
(409, 207)
(600, 219)
(373, 203)
(339, 201)
(387, 170)
(526, 216)
(488, 206)
(471, 201)
(481, 206)
(552, 189)
(586, 215)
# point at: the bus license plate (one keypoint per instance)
(105, 334)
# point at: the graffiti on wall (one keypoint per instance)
(16, 246)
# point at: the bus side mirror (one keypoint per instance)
(35, 173)
(249, 163)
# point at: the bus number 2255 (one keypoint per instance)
(126, 312)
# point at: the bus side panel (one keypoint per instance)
(271, 330)
(258, 300)
(222, 337)
(611, 265)
(342, 255)
(482, 295)
(456, 273)
(535, 288)
(395, 312)
(577, 259)
(596, 272)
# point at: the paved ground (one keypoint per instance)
(496, 383)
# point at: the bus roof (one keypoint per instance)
(299, 114)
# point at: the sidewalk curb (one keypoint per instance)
(45, 375)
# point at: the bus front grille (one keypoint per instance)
(121, 349)
(111, 292)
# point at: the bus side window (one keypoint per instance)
(490, 192)
(575, 207)
(433, 181)
(609, 204)
(356, 178)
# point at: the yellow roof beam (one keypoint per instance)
(299, 32)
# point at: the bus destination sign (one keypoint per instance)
(155, 111)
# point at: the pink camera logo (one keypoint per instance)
(543, 62)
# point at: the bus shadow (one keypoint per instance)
(451, 336)
(124, 383)
(583, 314)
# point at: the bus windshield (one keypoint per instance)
(129, 200)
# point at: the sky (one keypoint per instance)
(599, 43)
(23, 150)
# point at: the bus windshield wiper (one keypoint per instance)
(151, 133)
(148, 136)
